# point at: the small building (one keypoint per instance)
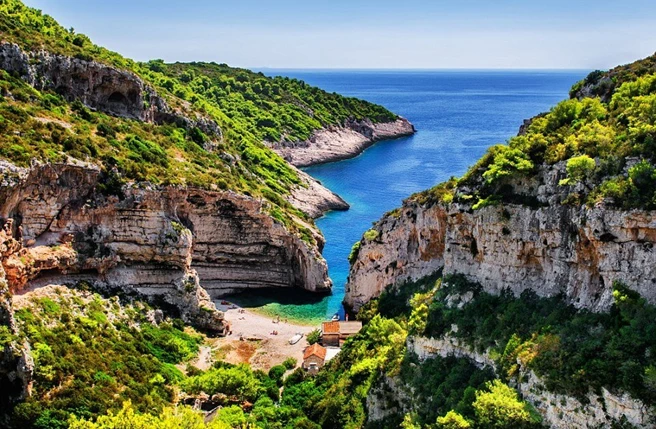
(314, 358)
(335, 332)
(330, 333)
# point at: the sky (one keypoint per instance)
(401, 34)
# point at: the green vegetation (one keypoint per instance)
(249, 108)
(440, 193)
(608, 144)
(238, 381)
(596, 139)
(94, 355)
(395, 302)
(579, 169)
(371, 235)
(272, 109)
(500, 407)
(313, 336)
(573, 350)
(355, 251)
(91, 354)
(603, 88)
(442, 385)
(127, 417)
(290, 363)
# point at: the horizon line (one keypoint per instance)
(501, 69)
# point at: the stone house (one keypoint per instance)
(313, 358)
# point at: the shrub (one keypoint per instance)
(507, 163)
(290, 363)
(499, 406)
(355, 250)
(314, 336)
(276, 373)
(371, 235)
(579, 169)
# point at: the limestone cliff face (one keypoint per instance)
(313, 198)
(185, 245)
(338, 143)
(558, 410)
(16, 363)
(101, 87)
(548, 247)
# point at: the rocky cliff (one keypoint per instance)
(99, 86)
(124, 94)
(154, 241)
(16, 363)
(566, 207)
(338, 143)
(601, 409)
(145, 238)
(549, 247)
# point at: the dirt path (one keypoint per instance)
(204, 360)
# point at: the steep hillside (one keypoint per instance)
(149, 181)
(565, 207)
(113, 133)
(543, 255)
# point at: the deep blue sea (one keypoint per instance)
(458, 115)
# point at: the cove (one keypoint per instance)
(457, 114)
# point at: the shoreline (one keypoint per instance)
(252, 339)
(341, 143)
(266, 311)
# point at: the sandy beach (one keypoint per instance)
(252, 340)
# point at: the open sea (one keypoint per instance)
(457, 114)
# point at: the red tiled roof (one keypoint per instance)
(315, 349)
(331, 327)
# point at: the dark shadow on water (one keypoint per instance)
(261, 297)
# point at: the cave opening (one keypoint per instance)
(117, 98)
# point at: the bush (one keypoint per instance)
(314, 336)
(355, 250)
(371, 235)
(276, 373)
(290, 363)
(498, 406)
(579, 169)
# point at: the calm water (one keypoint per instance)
(458, 115)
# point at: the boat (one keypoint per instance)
(296, 338)
(335, 318)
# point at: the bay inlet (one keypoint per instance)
(457, 114)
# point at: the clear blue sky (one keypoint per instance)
(582, 34)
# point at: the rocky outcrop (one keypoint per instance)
(338, 143)
(557, 410)
(549, 247)
(16, 363)
(186, 246)
(409, 245)
(312, 198)
(99, 86)
(388, 397)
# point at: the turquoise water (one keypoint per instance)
(458, 115)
